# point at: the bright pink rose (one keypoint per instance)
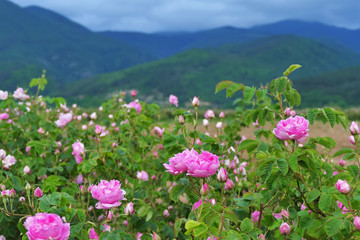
(135, 105)
(204, 189)
(38, 192)
(222, 175)
(44, 226)
(93, 234)
(205, 165)
(293, 128)
(79, 179)
(255, 216)
(133, 93)
(177, 164)
(342, 186)
(209, 114)
(181, 119)
(229, 184)
(357, 222)
(144, 176)
(173, 100)
(197, 204)
(342, 162)
(342, 207)
(78, 151)
(284, 213)
(109, 194)
(285, 228)
(4, 116)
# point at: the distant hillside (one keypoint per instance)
(164, 45)
(196, 72)
(34, 38)
(332, 88)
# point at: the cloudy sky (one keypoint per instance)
(191, 15)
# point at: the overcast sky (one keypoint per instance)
(190, 15)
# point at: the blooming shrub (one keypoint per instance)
(117, 173)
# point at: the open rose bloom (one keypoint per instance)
(46, 226)
(109, 194)
(177, 164)
(293, 128)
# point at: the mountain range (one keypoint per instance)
(87, 66)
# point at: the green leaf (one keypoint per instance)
(331, 116)
(149, 215)
(222, 85)
(265, 169)
(332, 226)
(169, 140)
(176, 191)
(248, 144)
(314, 194)
(281, 83)
(293, 163)
(311, 116)
(325, 202)
(354, 170)
(343, 151)
(75, 229)
(290, 69)
(247, 225)
(198, 228)
(232, 217)
(283, 165)
(143, 211)
(249, 93)
(21, 227)
(233, 88)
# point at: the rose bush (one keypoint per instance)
(119, 173)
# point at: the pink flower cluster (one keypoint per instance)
(4, 116)
(78, 151)
(159, 131)
(3, 95)
(342, 186)
(196, 165)
(101, 130)
(173, 100)
(64, 119)
(46, 226)
(109, 194)
(136, 105)
(293, 128)
(8, 193)
(19, 94)
(8, 160)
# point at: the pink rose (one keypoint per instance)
(93, 234)
(79, 179)
(27, 170)
(222, 175)
(205, 165)
(209, 114)
(357, 222)
(63, 119)
(195, 102)
(3, 95)
(44, 226)
(144, 176)
(293, 128)
(284, 213)
(135, 105)
(19, 94)
(354, 128)
(352, 140)
(342, 162)
(204, 189)
(133, 93)
(181, 120)
(255, 216)
(8, 161)
(177, 164)
(159, 131)
(78, 151)
(342, 186)
(129, 209)
(285, 228)
(173, 100)
(38, 192)
(109, 194)
(342, 207)
(4, 116)
(229, 184)
(222, 115)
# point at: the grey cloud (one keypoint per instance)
(189, 15)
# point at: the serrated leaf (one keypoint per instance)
(249, 93)
(290, 69)
(354, 170)
(343, 151)
(248, 144)
(149, 215)
(314, 194)
(283, 165)
(332, 226)
(293, 163)
(222, 85)
(325, 202)
(281, 84)
(331, 116)
(233, 88)
(311, 116)
(176, 191)
(247, 225)
(265, 170)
